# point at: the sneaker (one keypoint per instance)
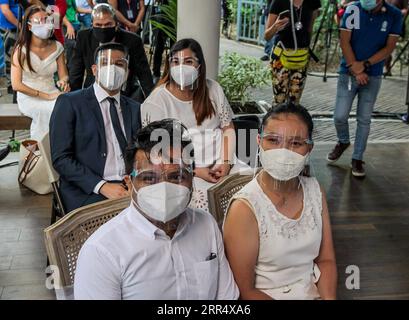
(265, 58)
(337, 152)
(357, 168)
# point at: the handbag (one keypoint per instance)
(32, 168)
(292, 59)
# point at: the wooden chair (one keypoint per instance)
(57, 209)
(220, 194)
(64, 239)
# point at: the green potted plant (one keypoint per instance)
(166, 20)
(239, 74)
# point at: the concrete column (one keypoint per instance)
(200, 20)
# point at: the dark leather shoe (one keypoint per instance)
(358, 168)
(4, 152)
(265, 58)
(337, 152)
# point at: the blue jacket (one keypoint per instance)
(78, 142)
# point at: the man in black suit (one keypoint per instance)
(105, 29)
(90, 130)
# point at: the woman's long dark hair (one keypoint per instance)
(24, 38)
(202, 105)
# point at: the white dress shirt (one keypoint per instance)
(130, 258)
(115, 165)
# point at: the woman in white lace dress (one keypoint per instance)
(277, 230)
(36, 58)
(184, 93)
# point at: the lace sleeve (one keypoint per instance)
(222, 105)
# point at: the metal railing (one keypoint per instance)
(251, 21)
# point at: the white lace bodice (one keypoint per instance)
(288, 247)
(43, 77)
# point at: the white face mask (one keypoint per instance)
(42, 31)
(163, 201)
(111, 77)
(282, 164)
(184, 75)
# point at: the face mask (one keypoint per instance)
(111, 77)
(368, 5)
(184, 75)
(42, 31)
(282, 164)
(104, 35)
(163, 201)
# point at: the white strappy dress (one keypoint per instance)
(39, 110)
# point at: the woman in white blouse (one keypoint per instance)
(184, 93)
(277, 230)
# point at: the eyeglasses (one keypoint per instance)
(190, 61)
(104, 61)
(292, 142)
(176, 176)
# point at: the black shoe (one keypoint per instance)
(265, 58)
(357, 168)
(337, 152)
(387, 74)
(4, 152)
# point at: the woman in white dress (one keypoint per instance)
(36, 58)
(277, 230)
(184, 93)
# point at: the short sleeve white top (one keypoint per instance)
(207, 137)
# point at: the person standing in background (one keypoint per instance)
(130, 13)
(84, 8)
(226, 18)
(364, 52)
(268, 46)
(402, 5)
(71, 27)
(160, 42)
(293, 39)
(9, 19)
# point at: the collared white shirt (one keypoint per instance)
(130, 258)
(115, 165)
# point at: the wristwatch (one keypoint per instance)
(367, 64)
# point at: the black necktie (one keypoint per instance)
(117, 125)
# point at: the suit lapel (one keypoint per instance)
(127, 117)
(96, 111)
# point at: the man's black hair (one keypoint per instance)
(289, 108)
(142, 140)
(112, 46)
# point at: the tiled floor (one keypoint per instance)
(23, 216)
(370, 221)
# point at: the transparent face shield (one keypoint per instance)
(48, 20)
(162, 180)
(161, 192)
(42, 27)
(112, 69)
(284, 154)
(101, 11)
(184, 70)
